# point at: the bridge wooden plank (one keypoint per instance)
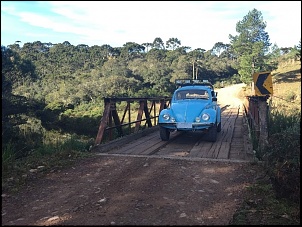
(206, 149)
(224, 150)
(229, 129)
(215, 149)
(148, 146)
(237, 153)
(200, 149)
(157, 144)
(129, 147)
(210, 149)
(144, 146)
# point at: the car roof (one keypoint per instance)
(192, 87)
(193, 83)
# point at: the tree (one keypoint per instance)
(197, 54)
(131, 50)
(158, 43)
(147, 45)
(274, 54)
(173, 43)
(7, 66)
(251, 45)
(298, 55)
(219, 47)
(15, 70)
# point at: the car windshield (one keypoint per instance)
(192, 94)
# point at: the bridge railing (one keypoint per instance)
(256, 110)
(147, 112)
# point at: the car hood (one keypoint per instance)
(188, 111)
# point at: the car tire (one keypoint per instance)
(219, 127)
(211, 135)
(164, 133)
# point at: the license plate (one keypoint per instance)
(184, 125)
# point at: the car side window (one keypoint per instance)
(180, 95)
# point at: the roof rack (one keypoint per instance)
(188, 82)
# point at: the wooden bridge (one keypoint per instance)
(233, 142)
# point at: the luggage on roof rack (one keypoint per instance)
(188, 82)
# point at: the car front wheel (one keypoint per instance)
(164, 133)
(219, 127)
(211, 135)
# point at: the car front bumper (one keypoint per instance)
(187, 126)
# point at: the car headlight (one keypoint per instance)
(197, 119)
(205, 117)
(166, 117)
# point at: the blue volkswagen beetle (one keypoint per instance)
(193, 108)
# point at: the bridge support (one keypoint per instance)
(110, 119)
(256, 109)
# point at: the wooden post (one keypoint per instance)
(104, 122)
(263, 137)
(139, 115)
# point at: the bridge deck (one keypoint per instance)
(232, 142)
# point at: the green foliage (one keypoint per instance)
(82, 125)
(282, 154)
(262, 207)
(173, 43)
(284, 164)
(279, 121)
(251, 45)
(51, 156)
(8, 157)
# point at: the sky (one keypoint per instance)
(197, 24)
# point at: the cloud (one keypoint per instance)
(195, 23)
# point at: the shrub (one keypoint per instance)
(282, 154)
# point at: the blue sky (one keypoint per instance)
(197, 24)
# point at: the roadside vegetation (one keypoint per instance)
(52, 97)
(275, 197)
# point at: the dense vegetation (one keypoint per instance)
(274, 199)
(281, 154)
(52, 94)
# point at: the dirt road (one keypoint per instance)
(230, 95)
(120, 190)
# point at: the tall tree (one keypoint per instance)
(106, 51)
(158, 43)
(131, 50)
(219, 47)
(147, 45)
(251, 45)
(173, 43)
(298, 55)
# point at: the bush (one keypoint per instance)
(282, 154)
(284, 164)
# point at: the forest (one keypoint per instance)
(59, 88)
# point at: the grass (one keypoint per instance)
(262, 207)
(49, 158)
